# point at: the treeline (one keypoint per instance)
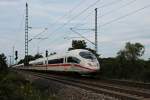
(127, 64)
(30, 58)
(36, 56)
(3, 63)
(112, 68)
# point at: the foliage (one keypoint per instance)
(30, 58)
(131, 51)
(14, 87)
(127, 64)
(38, 56)
(78, 44)
(3, 64)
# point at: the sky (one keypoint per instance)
(119, 21)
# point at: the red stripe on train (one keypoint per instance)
(66, 65)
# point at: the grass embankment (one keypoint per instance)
(15, 87)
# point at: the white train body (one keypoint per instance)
(79, 60)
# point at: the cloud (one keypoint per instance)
(9, 2)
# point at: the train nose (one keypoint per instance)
(93, 65)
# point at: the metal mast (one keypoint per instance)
(96, 41)
(13, 54)
(26, 36)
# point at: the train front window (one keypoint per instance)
(87, 55)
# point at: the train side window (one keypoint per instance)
(39, 63)
(73, 60)
(55, 61)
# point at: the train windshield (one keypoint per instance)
(87, 55)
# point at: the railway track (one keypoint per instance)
(128, 83)
(123, 92)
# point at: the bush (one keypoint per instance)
(14, 87)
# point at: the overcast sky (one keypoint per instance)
(53, 14)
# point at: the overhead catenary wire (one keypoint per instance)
(75, 16)
(45, 29)
(83, 12)
(126, 15)
(102, 6)
(60, 18)
(81, 36)
(105, 5)
(110, 3)
(109, 12)
(93, 4)
(70, 11)
(79, 14)
(121, 17)
(122, 6)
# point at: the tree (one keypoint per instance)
(129, 62)
(37, 56)
(132, 51)
(78, 44)
(3, 64)
(30, 58)
(121, 55)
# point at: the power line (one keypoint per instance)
(121, 17)
(108, 4)
(75, 16)
(45, 29)
(127, 4)
(105, 5)
(81, 36)
(79, 14)
(70, 11)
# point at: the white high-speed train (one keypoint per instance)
(79, 60)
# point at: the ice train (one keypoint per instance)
(79, 60)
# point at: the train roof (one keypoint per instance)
(78, 50)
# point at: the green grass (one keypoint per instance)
(15, 87)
